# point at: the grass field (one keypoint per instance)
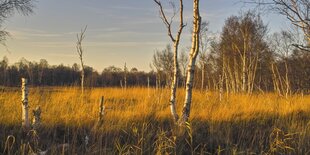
(137, 121)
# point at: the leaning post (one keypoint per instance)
(36, 121)
(101, 111)
(25, 106)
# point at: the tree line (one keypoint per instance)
(42, 74)
(245, 58)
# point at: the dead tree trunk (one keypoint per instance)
(25, 106)
(192, 61)
(79, 48)
(176, 42)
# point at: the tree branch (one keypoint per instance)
(165, 20)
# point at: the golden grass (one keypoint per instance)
(64, 106)
(138, 121)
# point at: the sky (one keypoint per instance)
(118, 31)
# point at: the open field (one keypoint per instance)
(137, 121)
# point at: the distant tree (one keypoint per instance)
(75, 67)
(90, 76)
(112, 69)
(134, 69)
(4, 64)
(300, 71)
(203, 51)
(242, 42)
(163, 62)
(8, 8)
(80, 51)
(282, 46)
(43, 65)
(183, 59)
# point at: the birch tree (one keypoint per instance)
(282, 46)
(25, 106)
(176, 40)
(242, 44)
(192, 62)
(43, 65)
(80, 51)
(163, 62)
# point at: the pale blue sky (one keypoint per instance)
(118, 31)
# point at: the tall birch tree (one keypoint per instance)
(192, 63)
(176, 40)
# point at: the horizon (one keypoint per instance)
(119, 33)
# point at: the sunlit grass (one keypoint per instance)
(66, 105)
(237, 122)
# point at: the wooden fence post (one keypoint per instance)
(36, 117)
(101, 111)
(25, 107)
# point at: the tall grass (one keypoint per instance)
(138, 121)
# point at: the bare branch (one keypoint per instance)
(301, 47)
(7, 9)
(165, 20)
(80, 38)
(296, 11)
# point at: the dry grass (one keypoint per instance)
(258, 123)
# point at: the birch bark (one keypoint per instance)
(192, 61)
(176, 42)
(25, 106)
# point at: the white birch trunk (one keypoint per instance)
(243, 74)
(173, 85)
(176, 42)
(244, 60)
(221, 78)
(82, 80)
(25, 106)
(79, 48)
(192, 61)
